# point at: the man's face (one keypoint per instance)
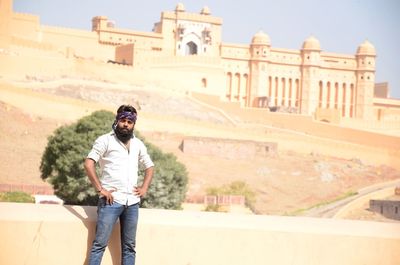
(125, 126)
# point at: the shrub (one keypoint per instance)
(62, 165)
(235, 188)
(16, 196)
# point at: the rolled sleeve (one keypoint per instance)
(98, 149)
(144, 157)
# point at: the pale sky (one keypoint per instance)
(339, 25)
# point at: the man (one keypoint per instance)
(118, 154)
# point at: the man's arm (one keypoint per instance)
(90, 168)
(142, 190)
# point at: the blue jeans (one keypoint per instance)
(107, 216)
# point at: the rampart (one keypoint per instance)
(40, 234)
(227, 148)
(370, 147)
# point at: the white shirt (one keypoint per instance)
(119, 165)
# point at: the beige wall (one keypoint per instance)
(25, 26)
(124, 54)
(53, 234)
(5, 29)
(228, 148)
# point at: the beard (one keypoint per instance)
(123, 134)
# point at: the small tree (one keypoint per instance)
(62, 165)
(234, 188)
(169, 185)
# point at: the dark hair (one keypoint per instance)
(127, 108)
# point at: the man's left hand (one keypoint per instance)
(139, 191)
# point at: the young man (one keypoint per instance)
(118, 154)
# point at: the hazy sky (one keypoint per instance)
(340, 25)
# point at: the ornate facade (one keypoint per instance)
(185, 49)
(257, 75)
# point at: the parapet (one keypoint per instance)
(37, 234)
(227, 148)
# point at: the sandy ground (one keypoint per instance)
(283, 183)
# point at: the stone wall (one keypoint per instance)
(388, 208)
(227, 148)
(39, 234)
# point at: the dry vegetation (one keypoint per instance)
(283, 183)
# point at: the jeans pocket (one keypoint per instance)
(102, 202)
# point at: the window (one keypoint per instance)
(204, 82)
(191, 48)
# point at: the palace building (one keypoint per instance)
(185, 51)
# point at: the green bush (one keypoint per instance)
(62, 165)
(62, 160)
(235, 188)
(16, 196)
(214, 208)
(169, 185)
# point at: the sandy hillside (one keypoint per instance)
(284, 183)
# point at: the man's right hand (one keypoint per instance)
(108, 195)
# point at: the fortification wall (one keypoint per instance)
(226, 148)
(39, 234)
(31, 44)
(84, 43)
(306, 124)
(17, 66)
(179, 74)
(25, 26)
(371, 147)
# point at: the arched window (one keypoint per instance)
(336, 95)
(290, 92)
(351, 100)
(328, 95)
(204, 82)
(276, 91)
(191, 48)
(229, 86)
(344, 100)
(321, 97)
(283, 91)
(237, 86)
(246, 95)
(298, 96)
(269, 87)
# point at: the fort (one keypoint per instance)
(185, 52)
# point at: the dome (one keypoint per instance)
(311, 44)
(261, 38)
(205, 11)
(180, 7)
(366, 48)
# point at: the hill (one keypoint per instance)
(292, 179)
